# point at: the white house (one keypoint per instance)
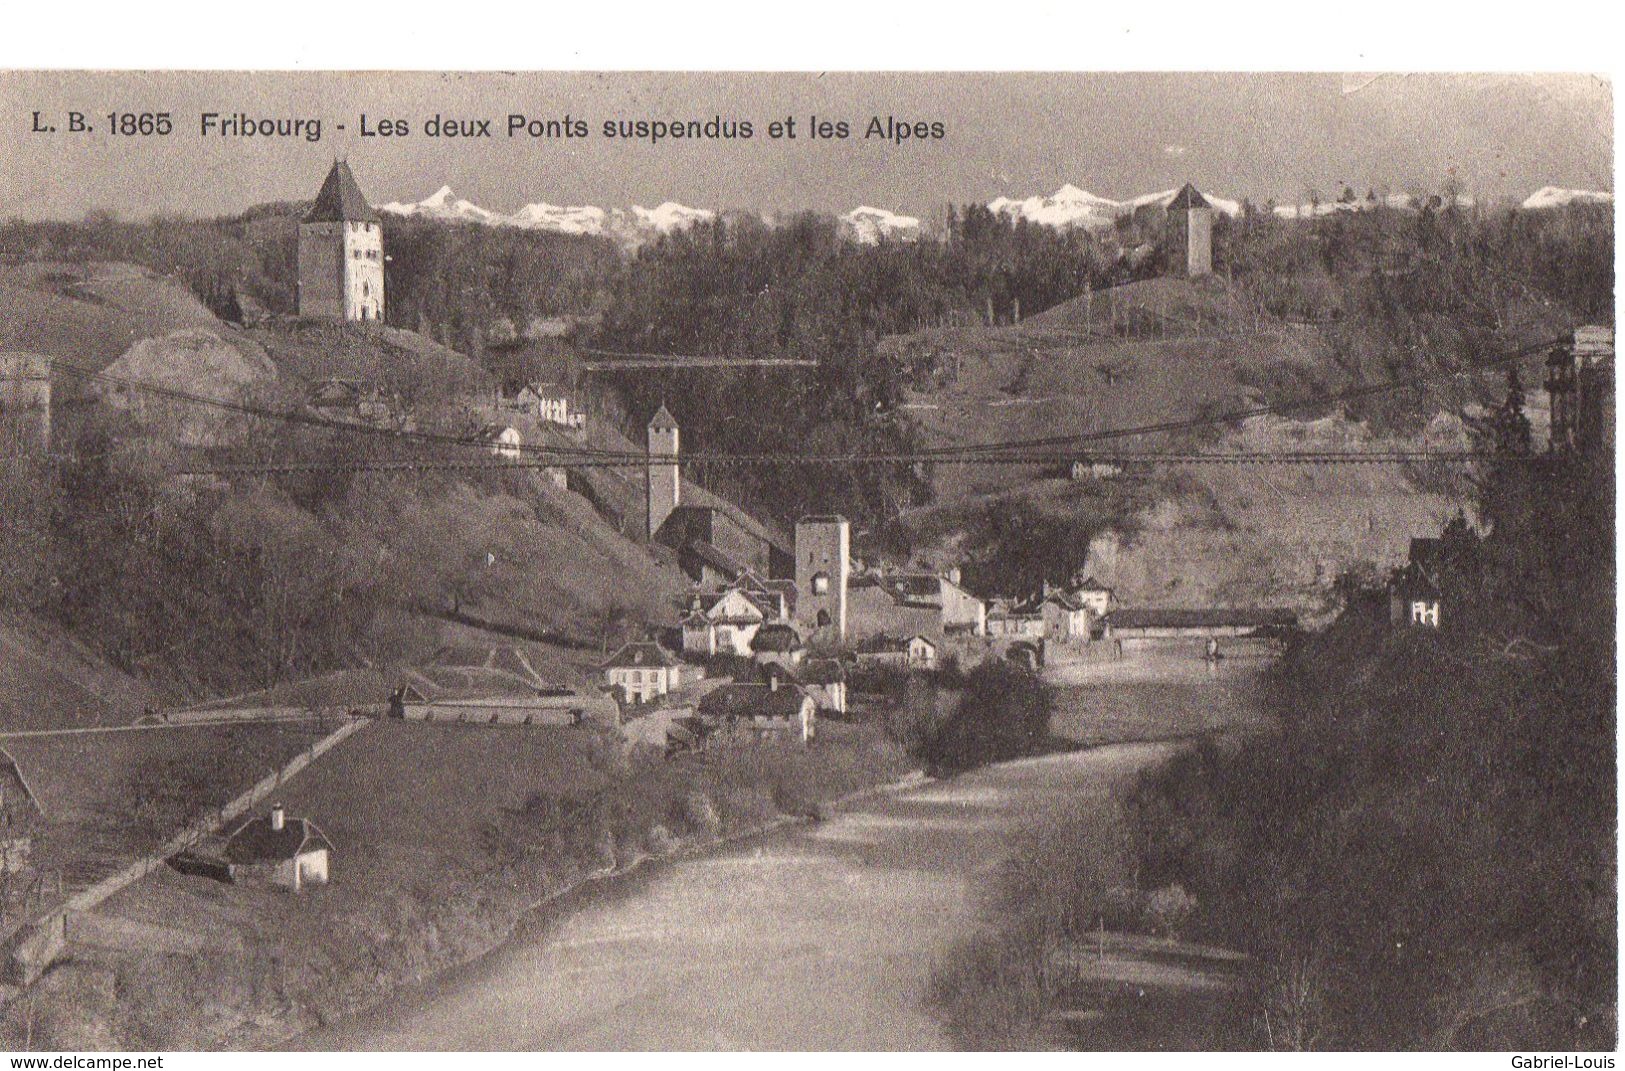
(641, 672)
(279, 850)
(549, 402)
(916, 652)
(503, 440)
(1099, 598)
(1066, 619)
(723, 624)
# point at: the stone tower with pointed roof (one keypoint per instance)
(1190, 234)
(341, 253)
(664, 481)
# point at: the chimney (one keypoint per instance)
(278, 817)
(953, 575)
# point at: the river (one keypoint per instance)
(821, 936)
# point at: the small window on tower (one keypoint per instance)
(820, 583)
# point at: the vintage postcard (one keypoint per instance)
(807, 561)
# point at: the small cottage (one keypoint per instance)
(1066, 618)
(642, 672)
(503, 440)
(1100, 599)
(825, 680)
(773, 712)
(777, 642)
(278, 850)
(915, 652)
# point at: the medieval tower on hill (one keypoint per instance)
(664, 480)
(341, 253)
(1189, 243)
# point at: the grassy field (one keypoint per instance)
(445, 837)
(110, 797)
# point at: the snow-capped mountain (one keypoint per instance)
(564, 219)
(630, 227)
(1557, 197)
(669, 216)
(1068, 206)
(443, 204)
(1071, 206)
(867, 225)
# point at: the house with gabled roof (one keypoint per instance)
(1066, 618)
(550, 402)
(914, 652)
(278, 850)
(776, 710)
(1100, 599)
(777, 642)
(723, 623)
(642, 671)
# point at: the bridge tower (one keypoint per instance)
(823, 571)
(663, 476)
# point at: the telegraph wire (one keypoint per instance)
(984, 453)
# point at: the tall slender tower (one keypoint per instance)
(341, 253)
(1190, 234)
(823, 571)
(665, 482)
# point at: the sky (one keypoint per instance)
(1260, 136)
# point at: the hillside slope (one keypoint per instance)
(1145, 353)
(50, 681)
(353, 559)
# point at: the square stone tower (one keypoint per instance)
(823, 570)
(1190, 234)
(341, 253)
(665, 483)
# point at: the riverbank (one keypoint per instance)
(821, 936)
(1072, 949)
(423, 881)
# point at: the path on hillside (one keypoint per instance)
(821, 937)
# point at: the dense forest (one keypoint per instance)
(1424, 856)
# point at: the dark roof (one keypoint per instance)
(663, 420)
(752, 701)
(915, 587)
(1064, 601)
(1412, 581)
(775, 638)
(822, 671)
(1427, 552)
(708, 554)
(1214, 617)
(256, 842)
(341, 199)
(643, 653)
(1091, 584)
(1187, 197)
